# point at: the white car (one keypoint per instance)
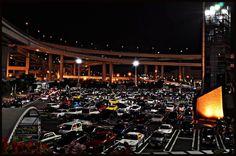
(166, 128)
(181, 108)
(170, 108)
(150, 101)
(44, 97)
(25, 101)
(67, 127)
(135, 108)
(59, 113)
(157, 118)
(74, 111)
(134, 139)
(53, 105)
(123, 101)
(123, 108)
(50, 136)
(90, 111)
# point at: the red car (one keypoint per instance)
(100, 141)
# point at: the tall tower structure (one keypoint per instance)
(217, 27)
(217, 57)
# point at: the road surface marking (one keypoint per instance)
(198, 140)
(174, 141)
(170, 140)
(217, 143)
(194, 134)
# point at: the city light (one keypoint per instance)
(224, 11)
(135, 63)
(118, 75)
(129, 73)
(78, 61)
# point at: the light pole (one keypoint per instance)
(78, 61)
(135, 64)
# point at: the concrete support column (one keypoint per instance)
(180, 74)
(27, 62)
(50, 67)
(61, 67)
(104, 72)
(183, 75)
(89, 70)
(155, 72)
(74, 69)
(145, 70)
(5, 61)
(162, 71)
(111, 72)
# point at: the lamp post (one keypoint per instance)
(78, 61)
(135, 64)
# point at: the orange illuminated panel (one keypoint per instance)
(210, 105)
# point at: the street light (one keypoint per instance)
(78, 61)
(135, 64)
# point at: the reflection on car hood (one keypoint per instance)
(129, 141)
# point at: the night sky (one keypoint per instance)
(161, 25)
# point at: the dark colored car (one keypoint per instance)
(100, 141)
(67, 138)
(208, 136)
(142, 128)
(120, 129)
(172, 117)
(187, 127)
(158, 139)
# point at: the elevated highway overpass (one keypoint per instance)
(27, 46)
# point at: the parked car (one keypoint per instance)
(208, 137)
(170, 108)
(120, 129)
(135, 108)
(58, 113)
(187, 127)
(166, 129)
(134, 139)
(158, 139)
(44, 97)
(66, 139)
(50, 138)
(112, 107)
(157, 118)
(67, 127)
(74, 112)
(100, 141)
(52, 106)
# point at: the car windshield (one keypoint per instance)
(59, 111)
(72, 110)
(100, 137)
(119, 126)
(66, 127)
(121, 111)
(157, 135)
(157, 116)
(131, 137)
(134, 107)
(164, 127)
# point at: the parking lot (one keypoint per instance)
(114, 120)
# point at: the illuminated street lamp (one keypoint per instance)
(78, 61)
(136, 64)
(129, 73)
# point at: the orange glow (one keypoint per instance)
(210, 105)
